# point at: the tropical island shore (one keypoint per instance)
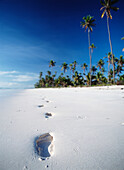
(86, 127)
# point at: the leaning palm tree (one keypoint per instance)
(88, 23)
(107, 5)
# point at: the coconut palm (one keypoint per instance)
(41, 73)
(121, 61)
(64, 66)
(74, 64)
(92, 46)
(100, 64)
(109, 56)
(84, 67)
(94, 69)
(49, 73)
(88, 78)
(52, 63)
(88, 23)
(99, 77)
(70, 66)
(107, 5)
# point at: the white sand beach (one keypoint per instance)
(87, 126)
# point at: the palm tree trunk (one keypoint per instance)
(89, 54)
(108, 70)
(111, 49)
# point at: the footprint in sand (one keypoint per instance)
(48, 115)
(44, 146)
(41, 105)
(81, 117)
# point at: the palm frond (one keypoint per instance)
(115, 8)
(113, 2)
(102, 3)
(103, 13)
(102, 8)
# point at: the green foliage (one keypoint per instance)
(82, 79)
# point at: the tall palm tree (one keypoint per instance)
(88, 23)
(107, 5)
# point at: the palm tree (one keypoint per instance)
(99, 77)
(109, 56)
(64, 66)
(49, 73)
(74, 63)
(121, 61)
(107, 6)
(84, 67)
(70, 66)
(41, 73)
(88, 23)
(88, 78)
(92, 47)
(52, 64)
(94, 69)
(100, 64)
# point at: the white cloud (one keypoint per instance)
(7, 72)
(15, 79)
(24, 78)
(7, 84)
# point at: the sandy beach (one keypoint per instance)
(86, 124)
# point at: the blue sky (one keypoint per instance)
(32, 32)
